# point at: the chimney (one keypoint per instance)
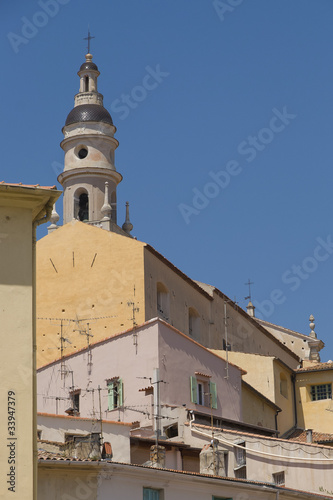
(212, 460)
(157, 456)
(309, 435)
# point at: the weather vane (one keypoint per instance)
(89, 38)
(249, 283)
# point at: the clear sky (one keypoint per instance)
(225, 149)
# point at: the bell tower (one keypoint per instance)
(90, 177)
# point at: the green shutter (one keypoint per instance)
(213, 393)
(110, 396)
(193, 390)
(120, 392)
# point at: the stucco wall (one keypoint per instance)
(16, 395)
(309, 474)
(133, 358)
(94, 277)
(55, 428)
(255, 410)
(316, 415)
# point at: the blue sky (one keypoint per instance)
(227, 161)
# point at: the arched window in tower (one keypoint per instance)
(81, 205)
(163, 301)
(86, 83)
(193, 323)
(114, 207)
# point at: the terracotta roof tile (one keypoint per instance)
(317, 437)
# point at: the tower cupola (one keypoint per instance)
(89, 145)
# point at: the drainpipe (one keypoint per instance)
(276, 422)
(293, 381)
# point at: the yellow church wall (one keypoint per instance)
(88, 274)
(316, 415)
(255, 410)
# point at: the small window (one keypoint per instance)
(283, 385)
(115, 394)
(221, 498)
(279, 479)
(75, 398)
(323, 391)
(240, 460)
(39, 434)
(152, 494)
(193, 323)
(83, 153)
(163, 301)
(240, 473)
(86, 83)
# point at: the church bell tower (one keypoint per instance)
(90, 177)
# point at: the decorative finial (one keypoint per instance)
(106, 208)
(89, 38)
(312, 327)
(127, 226)
(53, 219)
(250, 309)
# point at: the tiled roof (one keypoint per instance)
(69, 417)
(317, 437)
(267, 486)
(316, 368)
(3, 183)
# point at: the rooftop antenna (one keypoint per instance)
(89, 37)
(86, 332)
(132, 304)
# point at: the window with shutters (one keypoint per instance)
(115, 393)
(152, 494)
(203, 392)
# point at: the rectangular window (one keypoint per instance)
(240, 454)
(115, 394)
(152, 494)
(323, 391)
(278, 478)
(221, 498)
(75, 397)
(203, 392)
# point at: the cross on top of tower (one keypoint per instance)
(89, 37)
(249, 283)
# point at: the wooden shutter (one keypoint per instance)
(213, 393)
(120, 392)
(194, 397)
(110, 396)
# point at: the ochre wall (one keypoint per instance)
(316, 415)
(16, 327)
(98, 283)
